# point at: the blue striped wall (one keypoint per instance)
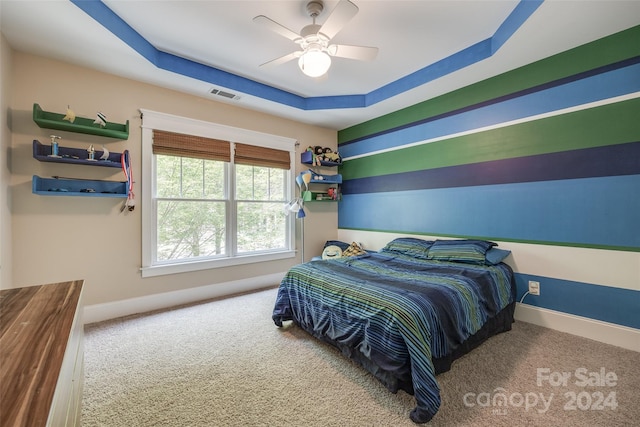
(540, 158)
(609, 304)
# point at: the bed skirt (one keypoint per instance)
(500, 323)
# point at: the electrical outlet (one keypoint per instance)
(534, 287)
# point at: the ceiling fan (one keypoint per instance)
(314, 58)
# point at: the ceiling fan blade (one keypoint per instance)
(361, 53)
(282, 59)
(340, 15)
(278, 28)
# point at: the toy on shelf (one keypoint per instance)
(54, 146)
(91, 153)
(321, 156)
(105, 153)
(100, 120)
(328, 155)
(70, 116)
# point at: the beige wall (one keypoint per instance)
(5, 150)
(64, 238)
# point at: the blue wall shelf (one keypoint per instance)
(319, 196)
(326, 179)
(78, 187)
(77, 156)
(306, 157)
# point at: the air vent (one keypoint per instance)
(224, 94)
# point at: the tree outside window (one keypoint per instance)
(192, 200)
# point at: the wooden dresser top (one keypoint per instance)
(35, 324)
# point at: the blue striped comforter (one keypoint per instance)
(394, 313)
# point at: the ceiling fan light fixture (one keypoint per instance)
(314, 63)
(314, 56)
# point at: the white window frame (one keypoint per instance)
(167, 122)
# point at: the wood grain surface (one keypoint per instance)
(35, 324)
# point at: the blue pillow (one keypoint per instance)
(411, 246)
(469, 251)
(496, 256)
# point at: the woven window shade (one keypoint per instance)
(262, 156)
(177, 144)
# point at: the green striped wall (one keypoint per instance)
(620, 46)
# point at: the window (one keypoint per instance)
(208, 201)
(191, 206)
(260, 195)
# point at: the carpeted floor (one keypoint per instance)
(224, 363)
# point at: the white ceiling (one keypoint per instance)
(410, 35)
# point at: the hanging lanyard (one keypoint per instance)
(125, 160)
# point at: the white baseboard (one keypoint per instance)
(608, 333)
(111, 310)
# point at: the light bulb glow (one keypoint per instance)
(314, 63)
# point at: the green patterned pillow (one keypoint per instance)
(469, 251)
(410, 246)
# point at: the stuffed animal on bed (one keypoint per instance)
(354, 249)
(331, 252)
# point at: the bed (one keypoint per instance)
(404, 313)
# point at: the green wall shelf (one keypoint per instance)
(48, 120)
(316, 196)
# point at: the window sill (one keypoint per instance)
(189, 266)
